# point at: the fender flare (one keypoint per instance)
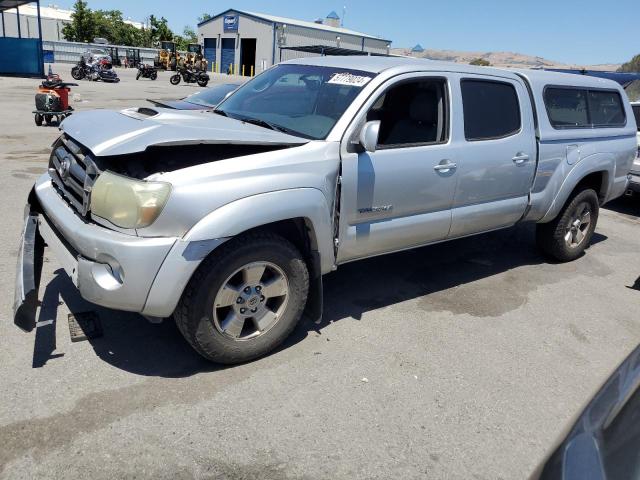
(596, 163)
(250, 212)
(231, 220)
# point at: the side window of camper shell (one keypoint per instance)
(569, 107)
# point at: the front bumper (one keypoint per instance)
(109, 268)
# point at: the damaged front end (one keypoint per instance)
(28, 268)
(114, 265)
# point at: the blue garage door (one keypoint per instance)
(210, 51)
(227, 53)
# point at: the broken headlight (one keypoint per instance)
(128, 203)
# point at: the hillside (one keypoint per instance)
(498, 59)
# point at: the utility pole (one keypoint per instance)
(344, 12)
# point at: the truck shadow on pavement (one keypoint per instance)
(626, 205)
(457, 276)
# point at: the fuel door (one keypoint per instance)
(573, 154)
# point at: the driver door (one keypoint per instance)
(400, 195)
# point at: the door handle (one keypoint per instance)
(445, 166)
(520, 158)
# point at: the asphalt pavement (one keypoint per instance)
(463, 360)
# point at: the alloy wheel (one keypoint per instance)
(579, 222)
(251, 301)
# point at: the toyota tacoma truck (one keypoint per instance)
(227, 219)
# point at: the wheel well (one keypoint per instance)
(298, 231)
(596, 181)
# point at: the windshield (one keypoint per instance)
(636, 113)
(302, 100)
(211, 96)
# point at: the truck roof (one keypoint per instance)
(536, 81)
(377, 64)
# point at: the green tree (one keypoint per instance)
(81, 28)
(632, 65)
(160, 29)
(481, 62)
(203, 18)
(188, 36)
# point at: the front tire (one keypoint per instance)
(175, 79)
(153, 75)
(76, 73)
(245, 299)
(138, 75)
(567, 236)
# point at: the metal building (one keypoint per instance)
(246, 43)
(53, 20)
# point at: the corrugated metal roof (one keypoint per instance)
(298, 23)
(7, 4)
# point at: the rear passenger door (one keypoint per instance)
(497, 154)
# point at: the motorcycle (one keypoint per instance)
(95, 72)
(189, 76)
(147, 71)
(81, 70)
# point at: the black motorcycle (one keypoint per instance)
(189, 76)
(81, 70)
(147, 71)
(94, 72)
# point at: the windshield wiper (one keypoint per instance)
(261, 123)
(219, 112)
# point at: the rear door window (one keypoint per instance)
(583, 108)
(491, 109)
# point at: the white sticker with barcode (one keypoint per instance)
(350, 79)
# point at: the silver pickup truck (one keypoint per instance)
(227, 219)
(634, 184)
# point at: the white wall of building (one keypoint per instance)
(51, 27)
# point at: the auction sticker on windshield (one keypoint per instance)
(350, 79)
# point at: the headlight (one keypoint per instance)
(128, 203)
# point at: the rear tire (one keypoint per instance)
(567, 236)
(203, 82)
(208, 314)
(38, 119)
(153, 75)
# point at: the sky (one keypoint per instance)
(583, 32)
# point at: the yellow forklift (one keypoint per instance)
(195, 58)
(167, 58)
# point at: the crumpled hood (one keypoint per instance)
(109, 132)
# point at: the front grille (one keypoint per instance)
(73, 173)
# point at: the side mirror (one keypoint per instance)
(369, 135)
